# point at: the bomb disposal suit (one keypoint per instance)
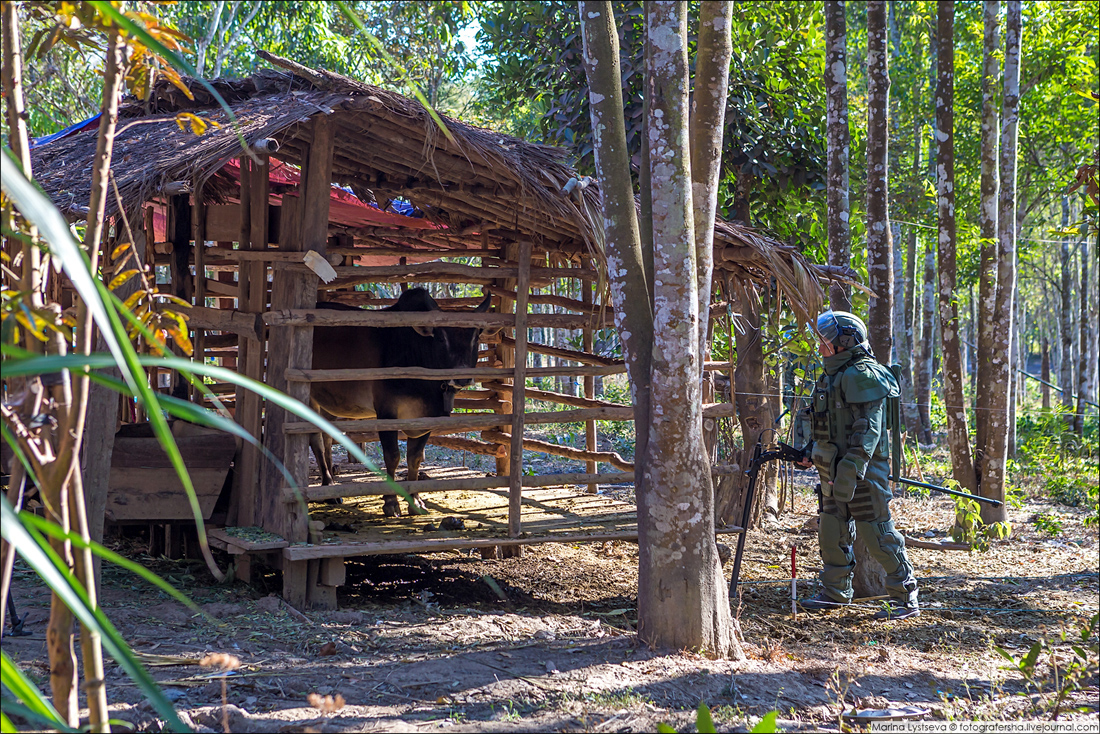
(851, 452)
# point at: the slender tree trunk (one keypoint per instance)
(927, 347)
(1045, 374)
(880, 249)
(1087, 333)
(1000, 385)
(987, 222)
(712, 73)
(837, 139)
(958, 440)
(1065, 312)
(691, 608)
(897, 314)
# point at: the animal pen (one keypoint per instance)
(244, 238)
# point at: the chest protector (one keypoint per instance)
(862, 381)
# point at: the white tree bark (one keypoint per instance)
(837, 141)
(880, 247)
(958, 437)
(987, 222)
(1001, 384)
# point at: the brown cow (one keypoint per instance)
(342, 347)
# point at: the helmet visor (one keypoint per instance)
(827, 327)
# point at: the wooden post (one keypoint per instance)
(519, 382)
(589, 386)
(198, 229)
(505, 353)
(179, 234)
(304, 227)
(250, 362)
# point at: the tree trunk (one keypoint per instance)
(880, 248)
(690, 606)
(1045, 374)
(958, 440)
(837, 141)
(870, 578)
(1065, 312)
(987, 221)
(927, 347)
(1002, 377)
(1083, 367)
(708, 114)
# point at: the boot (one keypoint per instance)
(822, 603)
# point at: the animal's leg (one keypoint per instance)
(391, 454)
(414, 454)
(326, 441)
(317, 445)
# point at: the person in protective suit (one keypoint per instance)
(851, 451)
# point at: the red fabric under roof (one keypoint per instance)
(344, 207)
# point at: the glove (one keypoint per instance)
(844, 481)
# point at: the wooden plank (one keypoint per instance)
(392, 319)
(136, 493)
(423, 373)
(589, 386)
(560, 398)
(582, 357)
(252, 285)
(545, 447)
(363, 489)
(247, 325)
(519, 384)
(305, 229)
(198, 232)
(468, 421)
(244, 545)
(452, 272)
(436, 545)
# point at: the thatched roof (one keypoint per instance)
(477, 182)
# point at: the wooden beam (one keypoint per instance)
(519, 384)
(570, 354)
(467, 421)
(559, 398)
(391, 319)
(423, 373)
(484, 421)
(568, 452)
(589, 386)
(366, 489)
(249, 325)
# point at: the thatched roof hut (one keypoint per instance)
(478, 187)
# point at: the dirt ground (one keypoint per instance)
(425, 643)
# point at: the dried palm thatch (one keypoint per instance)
(471, 180)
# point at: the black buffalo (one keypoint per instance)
(342, 347)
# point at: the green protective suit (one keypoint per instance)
(852, 456)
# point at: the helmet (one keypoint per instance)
(842, 329)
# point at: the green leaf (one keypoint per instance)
(768, 724)
(27, 692)
(703, 723)
(664, 728)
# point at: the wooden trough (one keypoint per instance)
(144, 487)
